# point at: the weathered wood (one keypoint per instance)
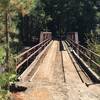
(23, 76)
(30, 53)
(88, 54)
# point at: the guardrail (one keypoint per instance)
(26, 58)
(89, 57)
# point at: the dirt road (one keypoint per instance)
(57, 79)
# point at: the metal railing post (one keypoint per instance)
(27, 60)
(90, 59)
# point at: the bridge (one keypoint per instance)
(58, 69)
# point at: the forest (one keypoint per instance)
(21, 22)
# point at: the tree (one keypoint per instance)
(4, 4)
(72, 15)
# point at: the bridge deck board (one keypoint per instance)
(48, 82)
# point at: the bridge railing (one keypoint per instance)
(26, 58)
(89, 57)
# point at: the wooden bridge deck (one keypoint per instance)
(58, 77)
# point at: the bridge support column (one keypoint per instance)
(73, 36)
(45, 35)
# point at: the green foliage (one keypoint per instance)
(2, 55)
(97, 46)
(71, 15)
(3, 95)
(5, 78)
(4, 3)
(26, 18)
(56, 16)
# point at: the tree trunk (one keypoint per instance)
(7, 39)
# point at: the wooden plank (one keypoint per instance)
(30, 49)
(25, 60)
